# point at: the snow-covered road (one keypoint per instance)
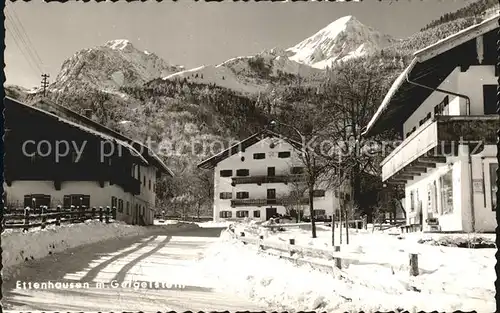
(168, 259)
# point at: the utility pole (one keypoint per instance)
(45, 83)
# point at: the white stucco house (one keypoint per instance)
(444, 105)
(262, 176)
(55, 156)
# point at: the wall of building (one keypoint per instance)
(485, 218)
(258, 167)
(469, 83)
(98, 196)
(461, 217)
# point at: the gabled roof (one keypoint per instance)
(91, 131)
(242, 145)
(146, 151)
(430, 66)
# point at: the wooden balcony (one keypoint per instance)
(268, 179)
(436, 139)
(265, 202)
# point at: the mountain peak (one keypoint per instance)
(115, 64)
(344, 38)
(119, 44)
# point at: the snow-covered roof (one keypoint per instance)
(94, 132)
(114, 134)
(426, 55)
(245, 143)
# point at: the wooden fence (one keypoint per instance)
(322, 257)
(42, 216)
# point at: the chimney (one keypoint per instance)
(88, 113)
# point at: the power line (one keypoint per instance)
(16, 17)
(19, 44)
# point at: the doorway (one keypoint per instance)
(270, 212)
(271, 171)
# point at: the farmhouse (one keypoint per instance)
(54, 156)
(444, 106)
(263, 176)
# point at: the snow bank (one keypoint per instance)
(450, 278)
(18, 246)
(212, 224)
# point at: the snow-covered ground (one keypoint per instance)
(450, 278)
(19, 246)
(212, 224)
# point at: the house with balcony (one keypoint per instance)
(55, 156)
(263, 176)
(444, 106)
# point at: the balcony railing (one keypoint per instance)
(264, 202)
(442, 136)
(268, 179)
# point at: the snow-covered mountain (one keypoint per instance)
(110, 66)
(342, 39)
(249, 74)
(118, 63)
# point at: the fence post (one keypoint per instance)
(100, 214)
(83, 210)
(93, 213)
(292, 243)
(338, 261)
(72, 213)
(413, 264)
(108, 213)
(58, 216)
(44, 217)
(26, 218)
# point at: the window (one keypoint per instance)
(242, 172)
(241, 214)
(447, 192)
(425, 119)
(120, 205)
(242, 195)
(443, 107)
(490, 99)
(318, 193)
(256, 213)
(297, 170)
(225, 214)
(226, 195)
(76, 200)
(259, 156)
(226, 173)
(319, 212)
(412, 201)
(128, 208)
(114, 202)
(271, 171)
(144, 180)
(493, 185)
(284, 154)
(36, 200)
(149, 184)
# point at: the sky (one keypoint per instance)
(189, 33)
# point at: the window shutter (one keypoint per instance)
(27, 201)
(66, 202)
(86, 200)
